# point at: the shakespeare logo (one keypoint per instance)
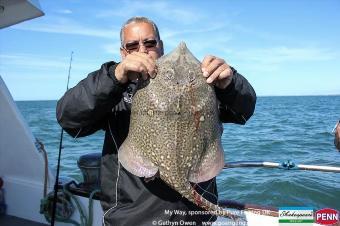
(289, 216)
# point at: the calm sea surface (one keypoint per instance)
(282, 128)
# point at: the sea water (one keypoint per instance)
(296, 128)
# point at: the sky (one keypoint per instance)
(282, 47)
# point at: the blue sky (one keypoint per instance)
(282, 47)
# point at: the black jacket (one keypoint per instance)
(101, 102)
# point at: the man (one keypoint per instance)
(103, 101)
(337, 136)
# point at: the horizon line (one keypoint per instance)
(288, 95)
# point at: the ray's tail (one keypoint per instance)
(200, 201)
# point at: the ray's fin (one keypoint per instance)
(213, 160)
(132, 160)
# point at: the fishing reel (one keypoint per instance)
(64, 206)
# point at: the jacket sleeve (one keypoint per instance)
(83, 108)
(237, 101)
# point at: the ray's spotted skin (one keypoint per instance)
(174, 129)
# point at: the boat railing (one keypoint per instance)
(286, 165)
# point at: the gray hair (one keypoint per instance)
(139, 19)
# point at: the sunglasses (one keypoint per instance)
(135, 45)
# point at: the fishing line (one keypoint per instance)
(206, 190)
(118, 172)
(59, 156)
(76, 136)
(333, 131)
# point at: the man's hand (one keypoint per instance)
(217, 71)
(135, 64)
(337, 137)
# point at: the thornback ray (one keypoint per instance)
(175, 128)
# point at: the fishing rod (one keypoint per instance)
(287, 165)
(59, 155)
(256, 209)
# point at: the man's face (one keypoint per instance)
(140, 37)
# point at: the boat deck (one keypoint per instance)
(6, 220)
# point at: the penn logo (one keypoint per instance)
(327, 216)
